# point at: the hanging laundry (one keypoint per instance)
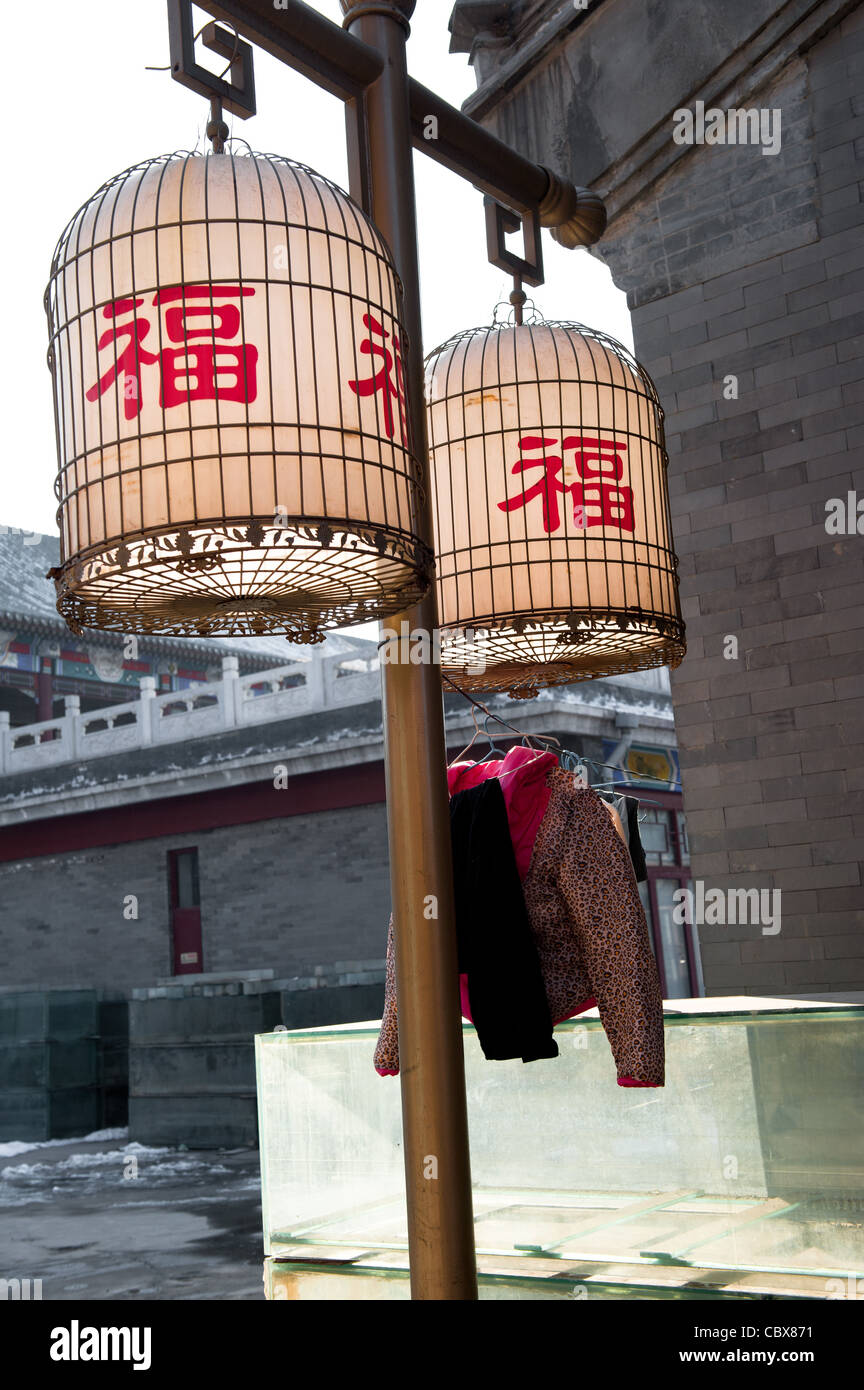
(637, 853)
(627, 808)
(584, 910)
(615, 817)
(501, 982)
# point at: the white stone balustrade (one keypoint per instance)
(236, 701)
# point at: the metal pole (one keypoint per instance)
(434, 1112)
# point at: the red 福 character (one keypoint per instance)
(388, 379)
(197, 371)
(130, 360)
(549, 487)
(610, 505)
(194, 371)
(601, 467)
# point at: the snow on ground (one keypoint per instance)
(90, 1172)
(19, 1146)
(101, 1217)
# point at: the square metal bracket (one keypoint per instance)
(238, 95)
(500, 221)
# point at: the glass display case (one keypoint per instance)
(742, 1177)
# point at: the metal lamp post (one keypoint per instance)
(386, 113)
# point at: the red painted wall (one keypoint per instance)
(146, 820)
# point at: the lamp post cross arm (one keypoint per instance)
(347, 67)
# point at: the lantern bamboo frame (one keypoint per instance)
(520, 607)
(285, 502)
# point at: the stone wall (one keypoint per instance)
(290, 894)
(744, 274)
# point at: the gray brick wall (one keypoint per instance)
(762, 279)
(289, 894)
(748, 265)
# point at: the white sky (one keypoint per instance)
(89, 109)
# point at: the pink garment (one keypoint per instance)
(522, 772)
(523, 775)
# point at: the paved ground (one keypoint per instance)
(101, 1218)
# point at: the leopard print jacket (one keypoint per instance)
(589, 928)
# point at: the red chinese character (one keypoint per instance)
(614, 505)
(383, 380)
(205, 363)
(611, 505)
(548, 487)
(130, 360)
(589, 451)
(195, 371)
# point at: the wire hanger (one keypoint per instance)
(475, 735)
(502, 752)
(567, 758)
(478, 704)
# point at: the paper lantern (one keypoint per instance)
(552, 528)
(233, 449)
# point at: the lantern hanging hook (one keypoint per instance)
(217, 130)
(518, 299)
(515, 305)
(237, 93)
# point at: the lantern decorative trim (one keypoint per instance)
(233, 438)
(553, 531)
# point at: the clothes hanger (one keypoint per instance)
(572, 761)
(568, 759)
(528, 741)
(540, 753)
(501, 752)
(476, 735)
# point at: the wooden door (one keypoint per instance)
(188, 958)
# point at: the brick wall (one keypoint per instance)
(750, 266)
(289, 894)
(744, 274)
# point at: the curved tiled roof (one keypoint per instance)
(27, 600)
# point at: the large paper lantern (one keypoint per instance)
(234, 455)
(552, 527)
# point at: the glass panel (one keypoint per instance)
(654, 832)
(655, 838)
(749, 1159)
(695, 948)
(683, 842)
(674, 941)
(187, 878)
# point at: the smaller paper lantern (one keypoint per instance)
(233, 448)
(552, 528)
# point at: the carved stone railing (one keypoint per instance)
(234, 702)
